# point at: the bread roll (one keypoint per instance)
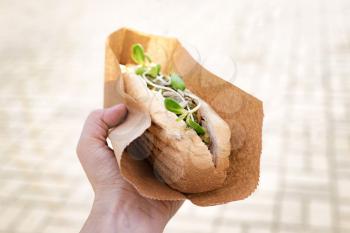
(178, 155)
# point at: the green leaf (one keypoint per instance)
(154, 71)
(138, 55)
(140, 70)
(173, 106)
(176, 82)
(194, 125)
(158, 68)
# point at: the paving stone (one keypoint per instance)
(249, 212)
(343, 188)
(320, 214)
(10, 216)
(188, 225)
(291, 211)
(32, 221)
(344, 216)
(258, 229)
(226, 228)
(61, 228)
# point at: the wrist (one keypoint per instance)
(128, 214)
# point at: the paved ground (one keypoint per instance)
(294, 55)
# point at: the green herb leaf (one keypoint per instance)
(154, 71)
(138, 54)
(140, 70)
(173, 106)
(176, 82)
(194, 125)
(158, 68)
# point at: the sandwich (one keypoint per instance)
(188, 143)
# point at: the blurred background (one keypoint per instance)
(293, 55)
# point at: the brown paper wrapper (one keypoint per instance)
(243, 113)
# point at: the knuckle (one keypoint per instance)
(95, 114)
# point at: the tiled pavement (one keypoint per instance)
(294, 55)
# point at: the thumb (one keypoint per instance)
(95, 130)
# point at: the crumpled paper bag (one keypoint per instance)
(243, 113)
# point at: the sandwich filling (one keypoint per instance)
(177, 98)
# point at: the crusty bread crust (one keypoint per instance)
(177, 153)
(220, 135)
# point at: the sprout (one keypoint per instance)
(194, 125)
(173, 106)
(154, 71)
(174, 86)
(176, 82)
(138, 55)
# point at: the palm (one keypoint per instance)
(109, 178)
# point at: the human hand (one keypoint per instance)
(117, 206)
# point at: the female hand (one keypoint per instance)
(117, 205)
